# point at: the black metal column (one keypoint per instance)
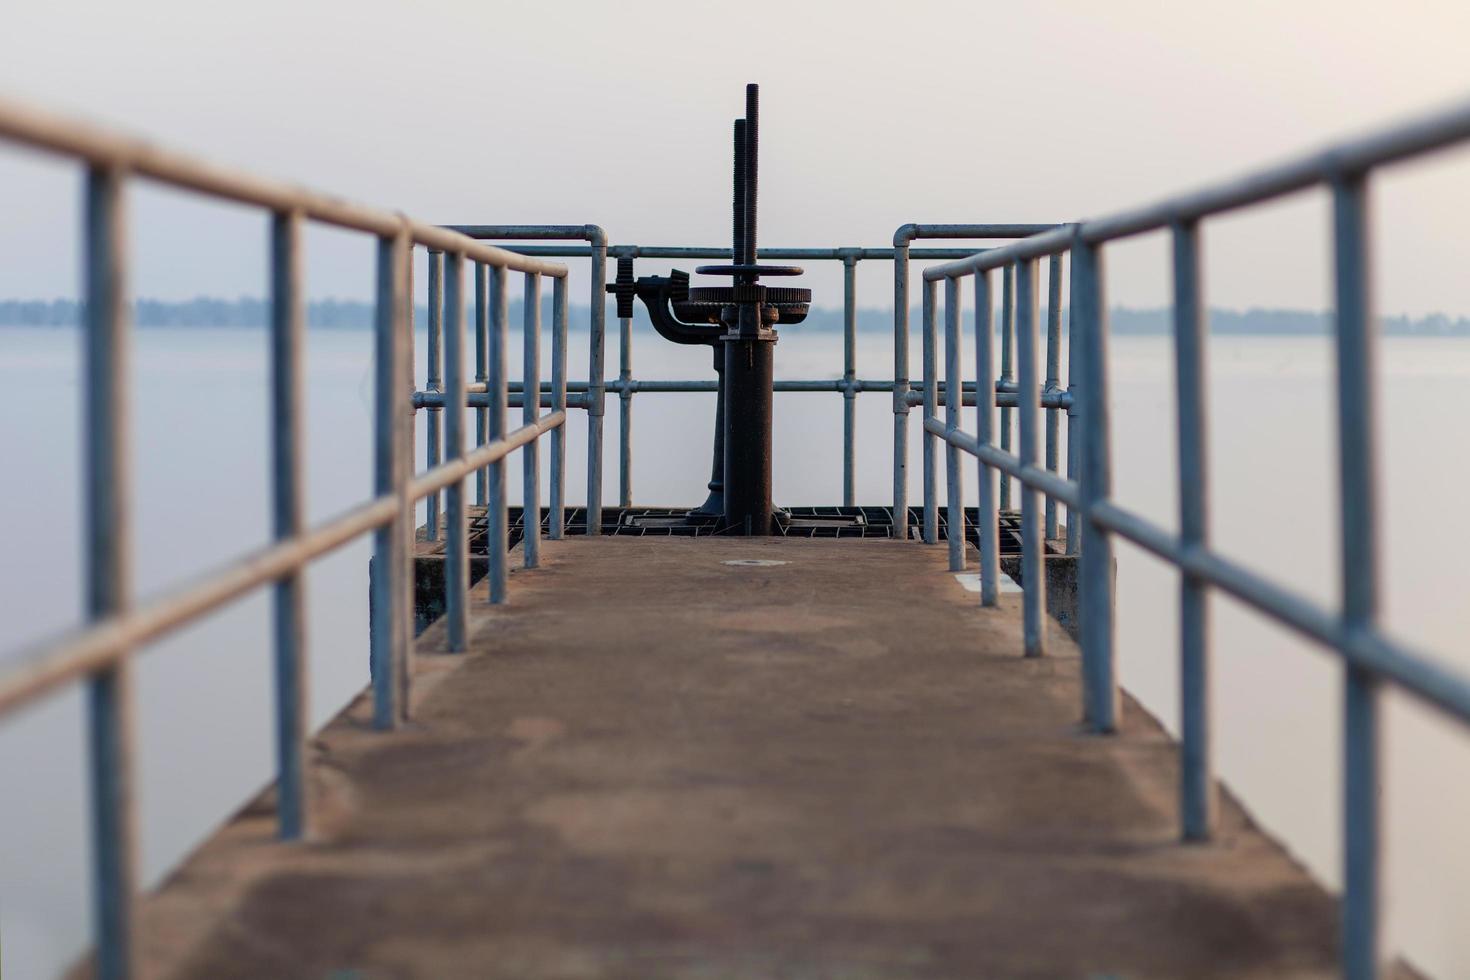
(748, 384)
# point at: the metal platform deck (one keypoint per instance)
(656, 763)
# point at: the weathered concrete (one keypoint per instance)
(657, 765)
(1062, 597)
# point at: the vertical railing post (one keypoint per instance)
(456, 558)
(849, 378)
(558, 404)
(985, 434)
(497, 529)
(596, 383)
(403, 436)
(391, 559)
(1359, 548)
(482, 364)
(954, 512)
(1053, 380)
(1074, 411)
(931, 410)
(1007, 359)
(901, 392)
(287, 511)
(530, 408)
(108, 570)
(1033, 542)
(1089, 317)
(625, 412)
(434, 382)
(1196, 780)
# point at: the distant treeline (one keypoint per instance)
(206, 311)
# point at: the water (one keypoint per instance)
(200, 497)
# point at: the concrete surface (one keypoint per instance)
(1063, 600)
(653, 764)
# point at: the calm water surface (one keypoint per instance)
(200, 496)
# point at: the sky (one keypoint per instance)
(619, 114)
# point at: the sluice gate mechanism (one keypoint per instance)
(739, 322)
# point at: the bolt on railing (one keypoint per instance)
(1370, 658)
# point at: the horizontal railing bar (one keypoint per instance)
(45, 131)
(1413, 671)
(433, 236)
(1047, 243)
(1418, 136)
(1421, 135)
(1047, 482)
(95, 647)
(444, 474)
(911, 232)
(1005, 396)
(700, 252)
(481, 399)
(590, 233)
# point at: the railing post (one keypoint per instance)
(530, 408)
(497, 529)
(558, 404)
(288, 509)
(596, 384)
(625, 412)
(1074, 410)
(1196, 779)
(901, 391)
(1028, 400)
(434, 382)
(954, 513)
(1089, 318)
(456, 558)
(391, 563)
(1359, 531)
(1053, 380)
(985, 435)
(1007, 359)
(931, 410)
(108, 571)
(482, 414)
(849, 376)
(403, 436)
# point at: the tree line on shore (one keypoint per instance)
(245, 312)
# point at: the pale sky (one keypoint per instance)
(619, 114)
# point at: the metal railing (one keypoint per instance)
(1371, 657)
(101, 652)
(590, 395)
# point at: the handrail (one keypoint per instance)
(109, 150)
(626, 386)
(101, 643)
(102, 650)
(1370, 657)
(597, 250)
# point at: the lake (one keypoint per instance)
(200, 497)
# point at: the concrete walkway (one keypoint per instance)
(655, 764)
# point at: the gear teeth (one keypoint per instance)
(778, 295)
(624, 288)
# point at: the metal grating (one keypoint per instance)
(795, 522)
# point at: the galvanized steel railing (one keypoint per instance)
(1353, 632)
(101, 652)
(590, 394)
